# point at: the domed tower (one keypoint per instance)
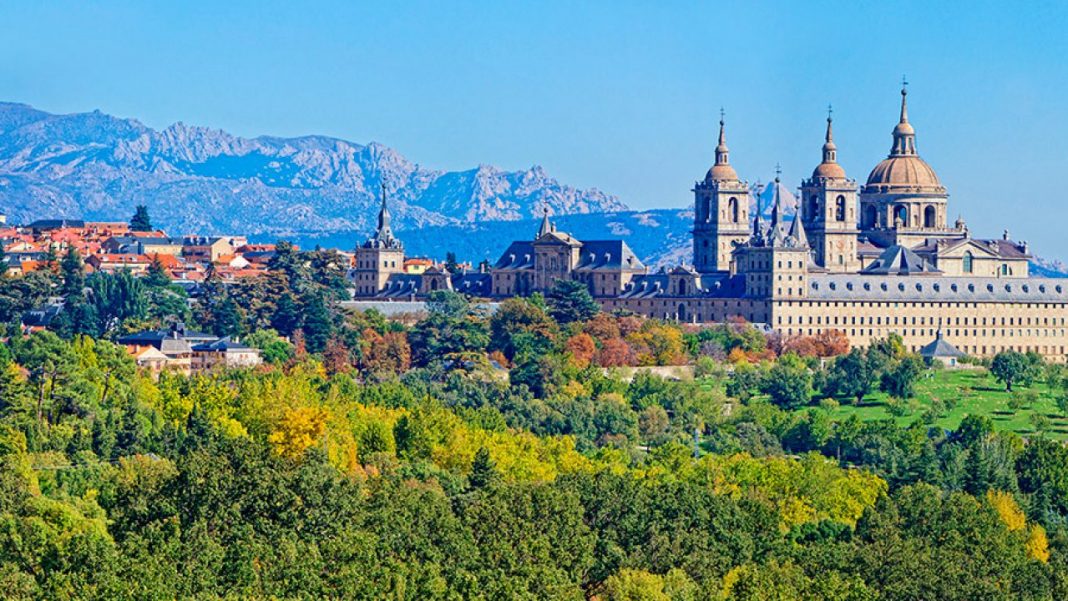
(903, 202)
(721, 212)
(829, 211)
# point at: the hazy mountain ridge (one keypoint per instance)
(660, 237)
(198, 179)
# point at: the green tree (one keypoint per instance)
(900, 379)
(570, 301)
(788, 382)
(851, 375)
(72, 272)
(451, 264)
(451, 331)
(140, 222)
(318, 324)
(514, 318)
(1012, 367)
(483, 471)
(157, 276)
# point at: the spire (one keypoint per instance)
(797, 231)
(775, 230)
(722, 170)
(384, 231)
(757, 190)
(383, 237)
(546, 226)
(904, 135)
(722, 151)
(829, 149)
(904, 100)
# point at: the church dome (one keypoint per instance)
(908, 171)
(904, 169)
(829, 170)
(721, 173)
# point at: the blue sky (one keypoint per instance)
(623, 96)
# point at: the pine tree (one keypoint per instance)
(483, 470)
(157, 276)
(140, 222)
(286, 318)
(73, 271)
(318, 327)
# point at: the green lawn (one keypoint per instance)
(975, 392)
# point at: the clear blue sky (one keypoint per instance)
(623, 96)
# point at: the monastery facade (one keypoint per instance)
(867, 260)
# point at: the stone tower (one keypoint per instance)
(829, 211)
(381, 256)
(774, 261)
(721, 213)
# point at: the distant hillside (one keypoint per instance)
(195, 179)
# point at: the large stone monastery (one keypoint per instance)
(867, 260)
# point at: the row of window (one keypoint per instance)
(956, 320)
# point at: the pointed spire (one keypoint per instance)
(797, 231)
(722, 170)
(776, 204)
(904, 100)
(829, 149)
(722, 152)
(384, 231)
(904, 135)
(546, 226)
(383, 237)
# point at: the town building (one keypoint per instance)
(186, 351)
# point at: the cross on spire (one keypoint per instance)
(778, 171)
(904, 84)
(830, 111)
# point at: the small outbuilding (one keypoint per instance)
(941, 351)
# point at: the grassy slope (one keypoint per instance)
(976, 392)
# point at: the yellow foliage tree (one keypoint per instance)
(1037, 545)
(299, 428)
(1008, 510)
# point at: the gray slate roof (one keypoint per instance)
(899, 260)
(924, 288)
(939, 348)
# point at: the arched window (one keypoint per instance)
(813, 209)
(732, 209)
(901, 213)
(839, 208)
(434, 284)
(966, 262)
(682, 287)
(929, 217)
(682, 312)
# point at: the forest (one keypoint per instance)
(503, 455)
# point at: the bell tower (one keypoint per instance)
(721, 212)
(381, 256)
(829, 211)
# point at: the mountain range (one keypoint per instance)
(201, 180)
